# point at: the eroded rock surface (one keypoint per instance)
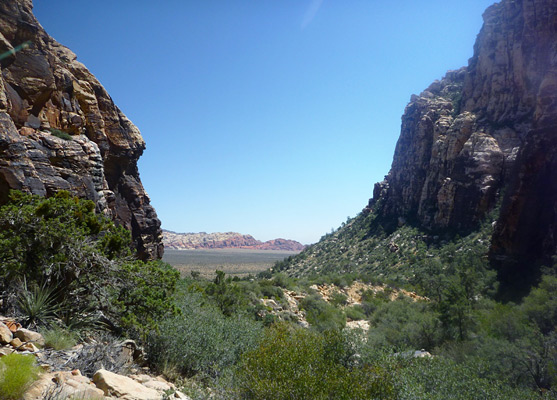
(486, 131)
(44, 92)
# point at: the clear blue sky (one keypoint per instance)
(267, 117)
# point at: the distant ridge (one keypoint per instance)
(227, 240)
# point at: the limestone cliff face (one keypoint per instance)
(45, 90)
(486, 131)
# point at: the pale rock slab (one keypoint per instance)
(123, 387)
(26, 335)
(6, 335)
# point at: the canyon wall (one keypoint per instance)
(60, 130)
(486, 135)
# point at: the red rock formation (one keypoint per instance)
(45, 90)
(281, 244)
(228, 240)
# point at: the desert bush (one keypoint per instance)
(502, 321)
(338, 299)
(201, 340)
(296, 363)
(17, 372)
(322, 315)
(145, 294)
(104, 350)
(540, 306)
(282, 280)
(440, 378)
(52, 242)
(370, 305)
(270, 291)
(229, 296)
(404, 324)
(355, 312)
(60, 242)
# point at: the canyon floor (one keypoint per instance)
(234, 262)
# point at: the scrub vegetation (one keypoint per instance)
(71, 273)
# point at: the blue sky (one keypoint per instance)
(266, 117)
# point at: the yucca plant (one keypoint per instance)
(39, 305)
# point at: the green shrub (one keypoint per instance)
(440, 378)
(228, 295)
(145, 295)
(270, 291)
(17, 372)
(503, 321)
(338, 299)
(405, 325)
(54, 240)
(60, 134)
(58, 338)
(60, 242)
(322, 315)
(201, 340)
(540, 306)
(282, 280)
(355, 312)
(529, 362)
(297, 363)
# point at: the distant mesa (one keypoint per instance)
(227, 240)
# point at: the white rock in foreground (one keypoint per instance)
(123, 387)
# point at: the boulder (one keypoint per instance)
(40, 388)
(12, 325)
(179, 395)
(63, 385)
(15, 343)
(6, 335)
(28, 347)
(123, 387)
(25, 335)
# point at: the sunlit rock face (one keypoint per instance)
(45, 93)
(486, 133)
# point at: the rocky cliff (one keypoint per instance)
(59, 129)
(486, 132)
(227, 240)
(475, 163)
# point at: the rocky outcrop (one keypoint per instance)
(60, 379)
(123, 387)
(60, 130)
(483, 132)
(228, 240)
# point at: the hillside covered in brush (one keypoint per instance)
(474, 165)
